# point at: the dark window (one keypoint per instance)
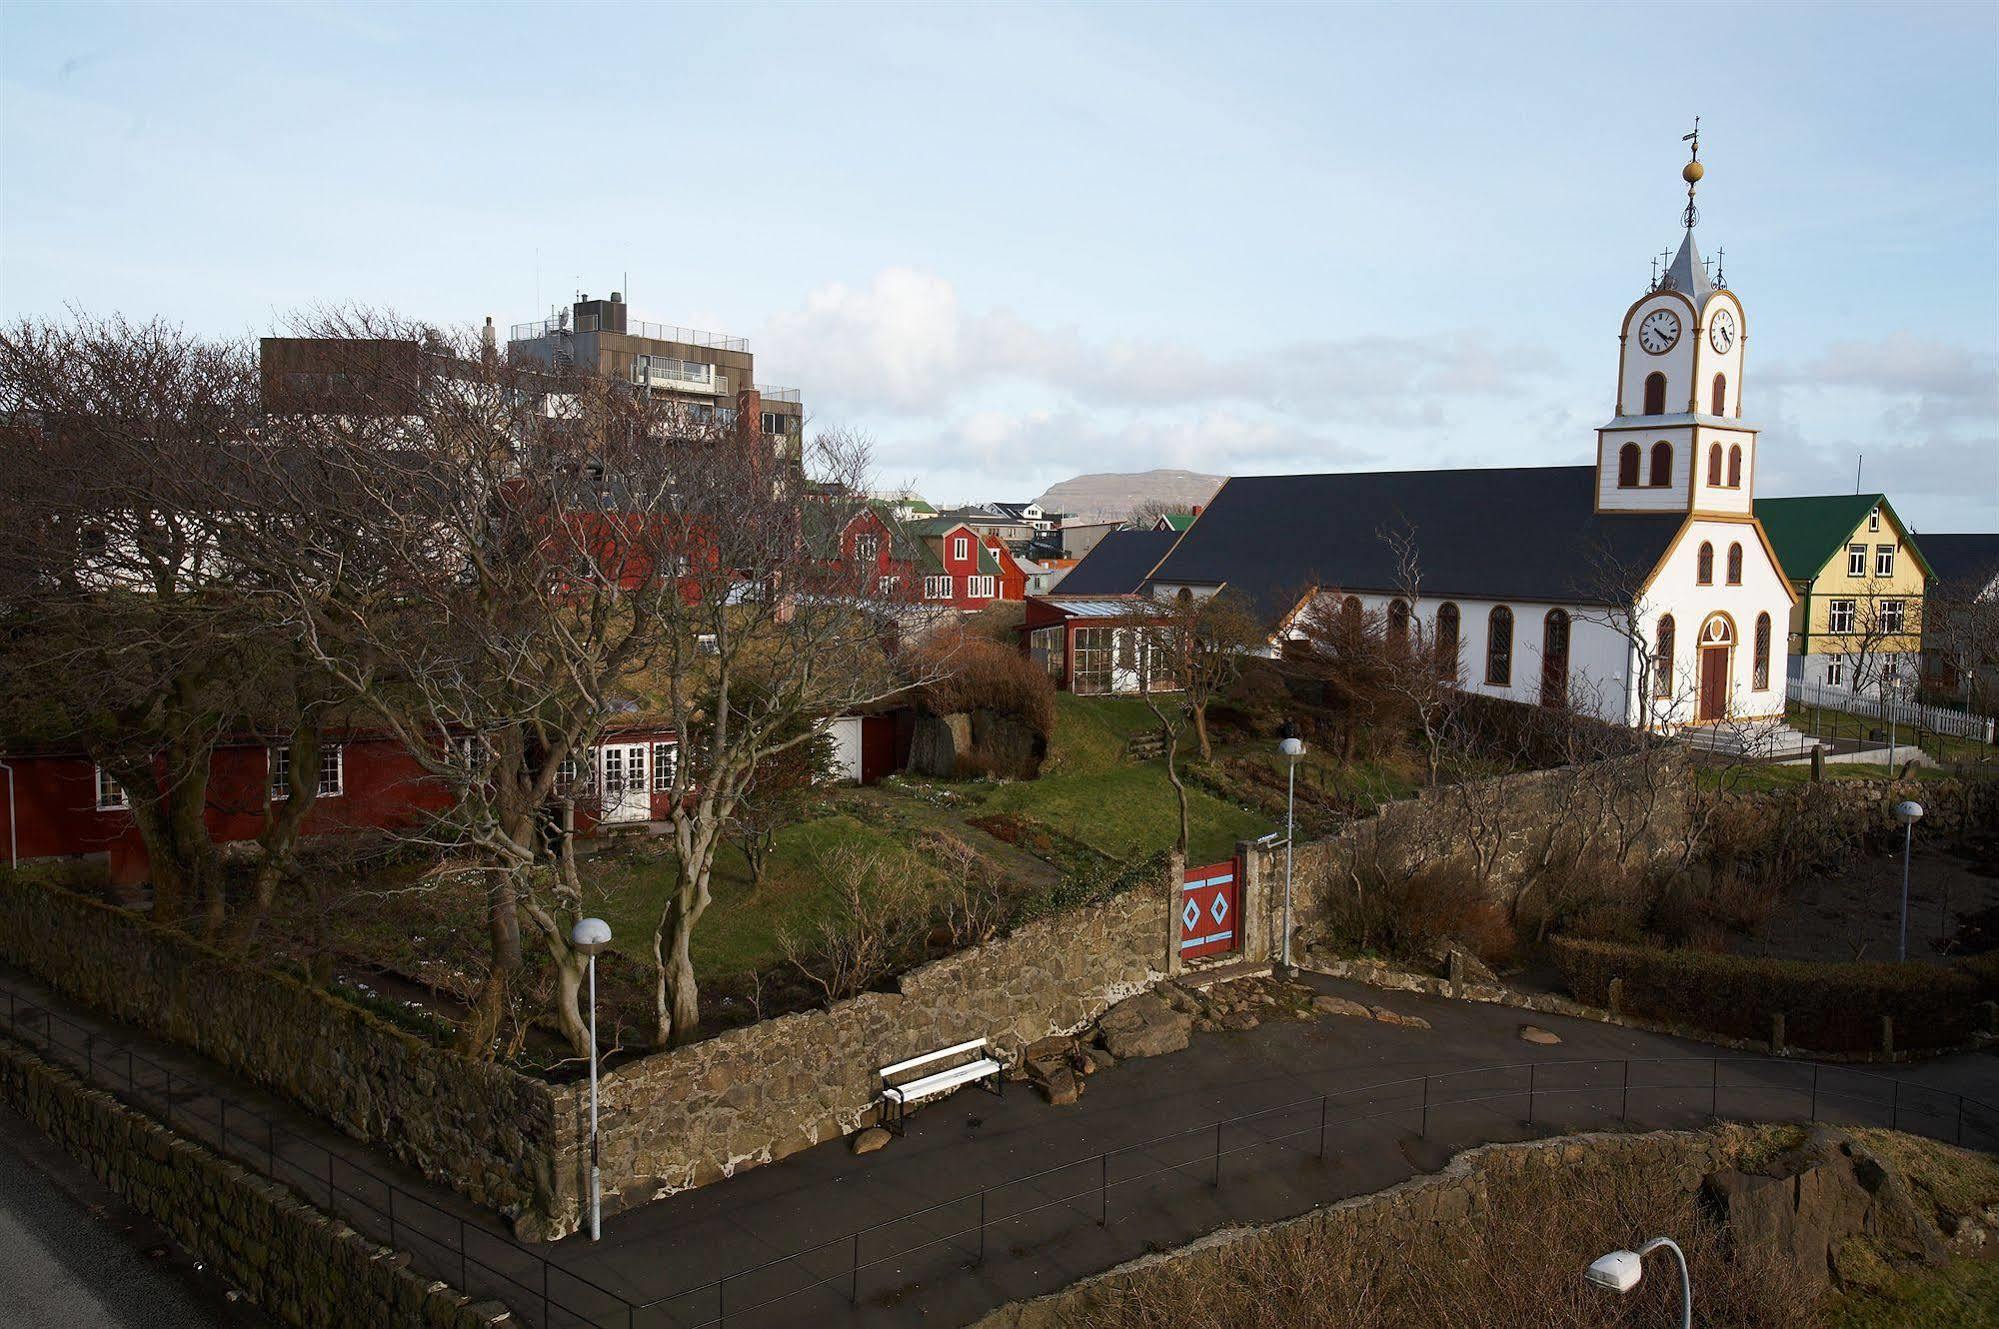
(1447, 641)
(1735, 467)
(1735, 565)
(1627, 466)
(1662, 464)
(1704, 565)
(1762, 679)
(1662, 659)
(1499, 647)
(1714, 466)
(1720, 394)
(1655, 394)
(1555, 658)
(1398, 624)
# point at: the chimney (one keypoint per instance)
(1196, 510)
(489, 341)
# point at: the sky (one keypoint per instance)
(1015, 243)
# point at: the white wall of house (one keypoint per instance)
(1675, 590)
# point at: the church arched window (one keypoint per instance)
(1735, 467)
(1447, 641)
(1655, 394)
(1555, 658)
(1627, 466)
(1735, 564)
(1662, 464)
(1662, 659)
(1398, 624)
(1704, 565)
(1499, 647)
(1714, 466)
(1762, 678)
(1720, 395)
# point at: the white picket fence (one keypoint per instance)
(1909, 714)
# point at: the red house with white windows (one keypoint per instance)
(960, 569)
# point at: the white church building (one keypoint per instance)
(1639, 587)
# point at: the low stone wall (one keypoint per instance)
(301, 1265)
(752, 1095)
(485, 1130)
(1453, 1198)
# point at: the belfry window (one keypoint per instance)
(1662, 464)
(1714, 466)
(1720, 395)
(1655, 394)
(1627, 466)
(1735, 467)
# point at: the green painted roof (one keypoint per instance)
(1179, 521)
(1806, 532)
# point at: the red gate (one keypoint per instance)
(1210, 910)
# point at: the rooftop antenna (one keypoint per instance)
(1692, 173)
(1858, 458)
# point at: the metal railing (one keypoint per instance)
(1913, 715)
(795, 395)
(1062, 1201)
(634, 327)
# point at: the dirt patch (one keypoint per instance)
(1854, 912)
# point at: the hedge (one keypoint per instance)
(1826, 1007)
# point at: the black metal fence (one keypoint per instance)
(945, 1239)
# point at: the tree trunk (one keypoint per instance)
(280, 835)
(503, 929)
(1200, 710)
(676, 992)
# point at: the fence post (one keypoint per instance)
(1624, 1103)
(392, 1216)
(1425, 1132)
(1531, 1068)
(90, 1058)
(1218, 1157)
(854, 1279)
(1815, 1091)
(1714, 1086)
(982, 1225)
(1958, 1138)
(461, 1253)
(1322, 1127)
(221, 1124)
(271, 1151)
(1895, 1108)
(1103, 1190)
(170, 1098)
(544, 1290)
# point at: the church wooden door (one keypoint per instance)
(1714, 685)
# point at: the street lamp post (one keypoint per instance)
(591, 935)
(1293, 748)
(1908, 812)
(1620, 1271)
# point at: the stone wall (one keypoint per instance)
(1631, 809)
(748, 1096)
(301, 1265)
(485, 1130)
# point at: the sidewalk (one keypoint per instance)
(1080, 1212)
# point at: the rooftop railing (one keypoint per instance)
(637, 327)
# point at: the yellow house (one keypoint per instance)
(1860, 579)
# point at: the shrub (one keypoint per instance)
(1413, 916)
(1826, 1007)
(977, 674)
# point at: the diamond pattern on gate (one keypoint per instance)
(1207, 915)
(1220, 909)
(1190, 915)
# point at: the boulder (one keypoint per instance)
(1101, 1059)
(1533, 1033)
(1180, 999)
(1326, 1005)
(1046, 1049)
(1386, 1016)
(871, 1139)
(1062, 1088)
(1241, 1021)
(1144, 1026)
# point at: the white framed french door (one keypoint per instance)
(624, 782)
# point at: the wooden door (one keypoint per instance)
(1210, 902)
(622, 782)
(1714, 685)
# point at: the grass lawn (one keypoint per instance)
(1826, 723)
(1761, 779)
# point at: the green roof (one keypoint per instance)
(1179, 521)
(1808, 532)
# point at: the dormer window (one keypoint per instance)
(1655, 394)
(961, 548)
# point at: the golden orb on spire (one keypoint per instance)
(1692, 172)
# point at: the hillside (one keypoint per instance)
(1113, 495)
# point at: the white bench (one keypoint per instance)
(896, 1098)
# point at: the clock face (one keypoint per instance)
(1721, 331)
(1660, 331)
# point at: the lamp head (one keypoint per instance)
(1618, 1271)
(1908, 812)
(590, 935)
(1293, 748)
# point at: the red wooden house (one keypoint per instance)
(959, 569)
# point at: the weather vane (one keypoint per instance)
(1692, 173)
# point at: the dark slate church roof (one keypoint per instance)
(1964, 562)
(1524, 533)
(1118, 563)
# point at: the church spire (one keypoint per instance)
(1692, 173)
(1687, 272)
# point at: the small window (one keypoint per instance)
(1627, 466)
(1735, 564)
(1856, 560)
(887, 585)
(1891, 617)
(1735, 467)
(1662, 465)
(1398, 624)
(1655, 394)
(961, 548)
(1835, 671)
(1499, 647)
(281, 773)
(110, 794)
(565, 772)
(665, 757)
(1884, 560)
(937, 588)
(1720, 401)
(867, 547)
(1555, 659)
(1839, 615)
(332, 771)
(1662, 659)
(1714, 466)
(1874, 520)
(1447, 641)
(1704, 565)
(1762, 665)
(979, 588)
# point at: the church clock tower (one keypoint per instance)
(1677, 442)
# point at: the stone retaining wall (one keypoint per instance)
(485, 1130)
(301, 1265)
(748, 1096)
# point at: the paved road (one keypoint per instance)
(72, 1254)
(1077, 1215)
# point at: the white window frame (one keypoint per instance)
(961, 548)
(565, 772)
(1856, 560)
(111, 796)
(1839, 616)
(867, 546)
(1835, 671)
(887, 585)
(981, 588)
(937, 588)
(278, 765)
(1874, 520)
(1893, 617)
(1884, 560)
(277, 768)
(336, 785)
(665, 761)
